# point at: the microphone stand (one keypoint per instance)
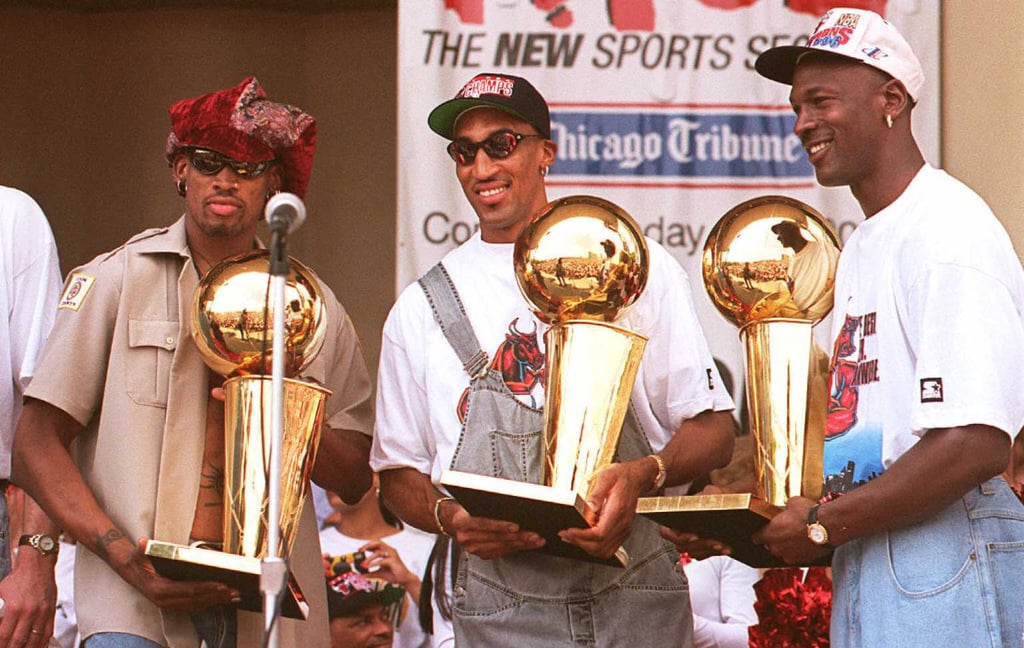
(273, 568)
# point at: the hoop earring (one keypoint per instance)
(181, 187)
(888, 121)
(543, 171)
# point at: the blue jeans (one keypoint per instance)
(954, 577)
(118, 640)
(218, 627)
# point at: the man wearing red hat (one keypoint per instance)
(121, 375)
(925, 394)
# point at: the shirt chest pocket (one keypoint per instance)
(147, 371)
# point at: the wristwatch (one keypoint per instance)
(816, 532)
(41, 542)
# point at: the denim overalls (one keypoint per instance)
(529, 598)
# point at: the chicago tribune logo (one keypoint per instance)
(931, 390)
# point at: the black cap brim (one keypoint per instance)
(442, 119)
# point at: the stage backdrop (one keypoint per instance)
(655, 106)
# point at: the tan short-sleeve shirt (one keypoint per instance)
(122, 363)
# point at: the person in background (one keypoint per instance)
(395, 553)
(925, 394)
(362, 608)
(122, 377)
(30, 284)
(722, 597)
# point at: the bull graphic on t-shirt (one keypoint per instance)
(842, 397)
(520, 362)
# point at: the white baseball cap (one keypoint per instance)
(855, 34)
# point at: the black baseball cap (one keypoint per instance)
(512, 94)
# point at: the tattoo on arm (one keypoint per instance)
(105, 540)
(212, 479)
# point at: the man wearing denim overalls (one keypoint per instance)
(925, 391)
(447, 400)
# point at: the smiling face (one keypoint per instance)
(370, 627)
(504, 193)
(840, 118)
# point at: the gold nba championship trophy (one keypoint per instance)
(580, 263)
(769, 267)
(231, 325)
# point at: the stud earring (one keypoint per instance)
(888, 121)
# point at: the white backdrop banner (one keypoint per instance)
(655, 106)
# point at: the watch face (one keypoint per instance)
(817, 534)
(46, 543)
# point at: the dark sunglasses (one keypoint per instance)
(210, 163)
(498, 146)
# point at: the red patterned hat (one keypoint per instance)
(244, 125)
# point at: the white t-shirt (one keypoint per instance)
(421, 380)
(30, 285)
(413, 546)
(927, 327)
(722, 598)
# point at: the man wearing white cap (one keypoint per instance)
(929, 341)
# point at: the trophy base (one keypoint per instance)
(541, 509)
(184, 563)
(731, 518)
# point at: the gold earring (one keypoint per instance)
(888, 121)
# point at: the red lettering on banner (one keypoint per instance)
(470, 11)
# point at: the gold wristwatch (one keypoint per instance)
(41, 542)
(816, 532)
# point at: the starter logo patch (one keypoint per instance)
(931, 390)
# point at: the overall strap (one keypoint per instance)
(451, 317)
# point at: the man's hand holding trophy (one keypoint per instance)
(769, 267)
(580, 263)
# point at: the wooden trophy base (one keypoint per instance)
(184, 563)
(541, 509)
(731, 518)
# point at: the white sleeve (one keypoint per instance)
(402, 433)
(35, 284)
(967, 335)
(678, 372)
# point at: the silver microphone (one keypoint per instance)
(285, 213)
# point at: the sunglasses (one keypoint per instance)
(498, 146)
(210, 163)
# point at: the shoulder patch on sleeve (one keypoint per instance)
(76, 290)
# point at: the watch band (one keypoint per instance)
(816, 531)
(41, 542)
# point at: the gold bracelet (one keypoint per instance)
(437, 514)
(659, 479)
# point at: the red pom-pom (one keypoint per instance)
(792, 610)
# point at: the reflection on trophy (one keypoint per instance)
(769, 267)
(231, 325)
(580, 263)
